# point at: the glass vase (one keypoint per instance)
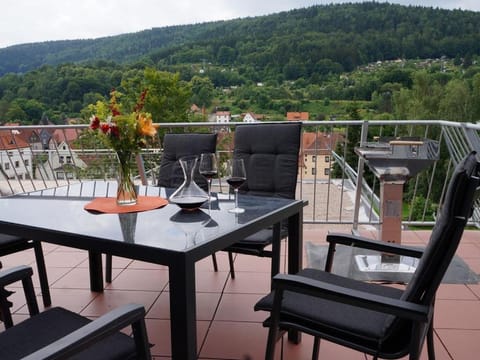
(126, 192)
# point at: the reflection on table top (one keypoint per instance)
(59, 213)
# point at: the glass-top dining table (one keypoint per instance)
(167, 235)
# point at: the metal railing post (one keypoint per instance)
(358, 190)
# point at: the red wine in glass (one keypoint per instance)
(235, 178)
(236, 182)
(208, 168)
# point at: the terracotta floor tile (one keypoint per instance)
(206, 264)
(457, 314)
(211, 281)
(473, 264)
(136, 264)
(25, 257)
(239, 307)
(328, 350)
(461, 344)
(111, 299)
(72, 299)
(468, 250)
(249, 283)
(139, 279)
(159, 335)
(65, 258)
(454, 292)
(475, 288)
(244, 263)
(206, 306)
(234, 340)
(225, 305)
(119, 262)
(76, 278)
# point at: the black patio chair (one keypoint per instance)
(372, 318)
(170, 175)
(57, 333)
(10, 244)
(270, 152)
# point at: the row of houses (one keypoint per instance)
(47, 154)
(42, 153)
(223, 117)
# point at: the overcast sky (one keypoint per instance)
(26, 21)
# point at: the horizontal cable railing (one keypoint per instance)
(39, 157)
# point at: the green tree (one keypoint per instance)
(202, 91)
(455, 105)
(16, 113)
(168, 98)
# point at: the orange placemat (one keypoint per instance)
(108, 205)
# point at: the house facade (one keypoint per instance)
(223, 117)
(316, 161)
(63, 161)
(15, 157)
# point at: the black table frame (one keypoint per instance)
(181, 264)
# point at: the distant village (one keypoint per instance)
(46, 153)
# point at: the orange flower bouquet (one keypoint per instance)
(126, 134)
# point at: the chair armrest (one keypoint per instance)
(365, 243)
(95, 331)
(17, 273)
(397, 307)
(9, 276)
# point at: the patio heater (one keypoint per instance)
(393, 161)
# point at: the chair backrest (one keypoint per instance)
(270, 153)
(447, 232)
(176, 146)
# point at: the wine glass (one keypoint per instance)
(208, 168)
(236, 176)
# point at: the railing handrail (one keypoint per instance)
(458, 137)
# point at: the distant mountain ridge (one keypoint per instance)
(295, 42)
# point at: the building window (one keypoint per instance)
(314, 171)
(60, 175)
(26, 162)
(6, 166)
(327, 171)
(314, 158)
(17, 163)
(327, 158)
(61, 159)
(69, 159)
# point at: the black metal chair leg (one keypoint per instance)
(430, 344)
(108, 268)
(230, 263)
(42, 273)
(316, 348)
(214, 261)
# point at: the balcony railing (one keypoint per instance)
(38, 157)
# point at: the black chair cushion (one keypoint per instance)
(334, 317)
(176, 146)
(52, 324)
(270, 153)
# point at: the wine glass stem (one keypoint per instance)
(236, 198)
(209, 182)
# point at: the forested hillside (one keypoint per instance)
(350, 61)
(300, 43)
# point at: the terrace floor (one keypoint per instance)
(228, 328)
